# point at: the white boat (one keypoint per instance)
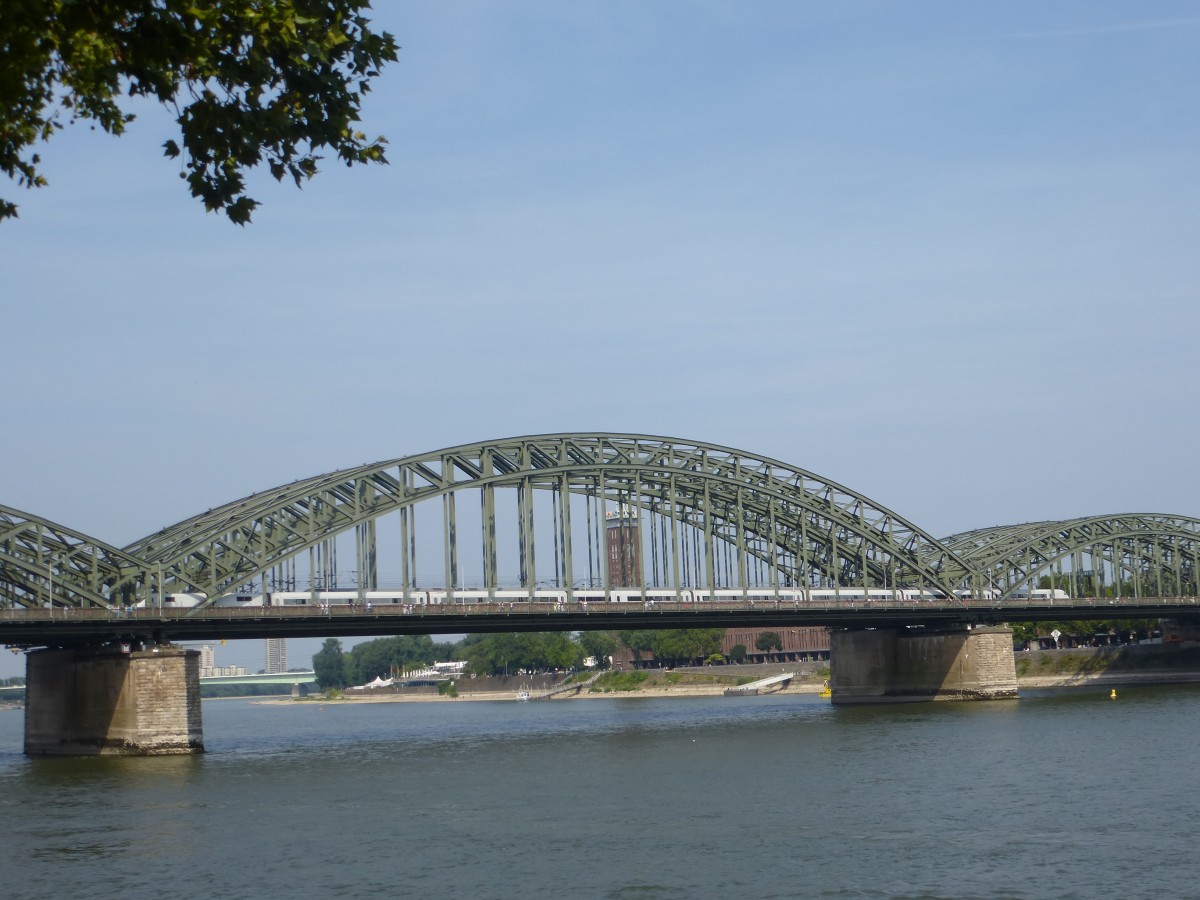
(523, 694)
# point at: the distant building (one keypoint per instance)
(276, 655)
(807, 643)
(799, 645)
(209, 667)
(226, 670)
(624, 549)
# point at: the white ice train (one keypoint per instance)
(425, 597)
(1042, 594)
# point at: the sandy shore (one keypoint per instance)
(717, 690)
(678, 690)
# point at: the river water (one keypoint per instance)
(1060, 794)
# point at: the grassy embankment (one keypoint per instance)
(659, 679)
(1084, 663)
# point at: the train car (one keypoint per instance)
(461, 597)
(671, 595)
(1042, 594)
(169, 601)
(239, 601)
(511, 595)
(753, 595)
(837, 595)
(313, 598)
(650, 595)
(862, 595)
(519, 595)
(977, 595)
(394, 598)
(181, 601)
(482, 595)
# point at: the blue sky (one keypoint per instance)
(942, 253)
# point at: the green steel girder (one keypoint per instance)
(1012, 556)
(44, 562)
(723, 490)
(792, 521)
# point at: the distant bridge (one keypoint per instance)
(18, 691)
(262, 678)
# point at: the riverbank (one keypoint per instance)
(1109, 678)
(1132, 664)
(1078, 667)
(706, 681)
(1135, 664)
(678, 690)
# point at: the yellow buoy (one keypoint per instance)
(1113, 695)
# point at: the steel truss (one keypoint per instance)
(1138, 554)
(44, 563)
(714, 516)
(760, 513)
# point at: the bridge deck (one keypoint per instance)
(66, 626)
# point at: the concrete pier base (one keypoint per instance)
(101, 702)
(889, 665)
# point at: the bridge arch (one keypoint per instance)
(710, 516)
(716, 516)
(44, 563)
(1131, 554)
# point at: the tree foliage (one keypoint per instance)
(637, 641)
(685, 645)
(329, 665)
(380, 658)
(376, 659)
(600, 645)
(498, 654)
(1083, 628)
(510, 652)
(274, 82)
(768, 641)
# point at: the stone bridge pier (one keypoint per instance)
(898, 665)
(100, 701)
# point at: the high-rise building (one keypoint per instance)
(276, 655)
(207, 659)
(624, 549)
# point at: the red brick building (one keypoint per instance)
(798, 644)
(624, 550)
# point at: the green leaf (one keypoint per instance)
(250, 84)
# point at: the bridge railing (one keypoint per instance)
(609, 609)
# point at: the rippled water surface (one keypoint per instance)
(1060, 794)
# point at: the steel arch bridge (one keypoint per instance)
(708, 515)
